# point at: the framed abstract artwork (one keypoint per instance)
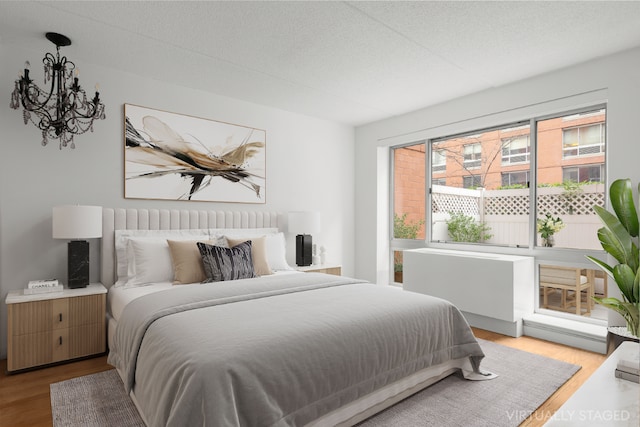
(171, 156)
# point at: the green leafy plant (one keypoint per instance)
(619, 238)
(463, 228)
(403, 229)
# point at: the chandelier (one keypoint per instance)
(64, 110)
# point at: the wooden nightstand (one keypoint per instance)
(54, 327)
(322, 268)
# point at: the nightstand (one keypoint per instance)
(322, 268)
(55, 327)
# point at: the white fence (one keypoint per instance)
(506, 212)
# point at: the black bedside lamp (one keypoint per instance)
(76, 223)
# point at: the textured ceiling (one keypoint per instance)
(351, 62)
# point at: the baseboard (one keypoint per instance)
(568, 332)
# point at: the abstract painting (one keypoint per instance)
(172, 156)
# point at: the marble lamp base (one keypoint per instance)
(303, 250)
(78, 264)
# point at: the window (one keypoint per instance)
(471, 181)
(472, 156)
(409, 191)
(583, 140)
(588, 173)
(515, 150)
(511, 179)
(483, 181)
(439, 161)
(567, 193)
(471, 197)
(409, 183)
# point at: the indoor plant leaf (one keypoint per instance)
(621, 196)
(614, 236)
(606, 267)
(627, 310)
(625, 277)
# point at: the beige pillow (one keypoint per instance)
(258, 253)
(187, 262)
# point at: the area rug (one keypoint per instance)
(525, 381)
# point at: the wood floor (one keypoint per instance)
(25, 400)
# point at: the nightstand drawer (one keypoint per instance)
(86, 340)
(86, 310)
(31, 317)
(50, 328)
(30, 350)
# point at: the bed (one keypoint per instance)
(282, 349)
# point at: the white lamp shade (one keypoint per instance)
(77, 222)
(304, 222)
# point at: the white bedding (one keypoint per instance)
(293, 350)
(119, 297)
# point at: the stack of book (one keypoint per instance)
(628, 367)
(42, 286)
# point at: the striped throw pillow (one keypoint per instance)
(226, 263)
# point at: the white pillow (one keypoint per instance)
(122, 242)
(149, 262)
(122, 238)
(275, 246)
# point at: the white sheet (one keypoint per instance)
(119, 297)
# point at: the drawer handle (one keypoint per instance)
(60, 340)
(60, 316)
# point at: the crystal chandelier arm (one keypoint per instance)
(30, 95)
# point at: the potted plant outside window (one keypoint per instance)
(619, 238)
(547, 227)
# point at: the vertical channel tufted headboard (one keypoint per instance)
(165, 219)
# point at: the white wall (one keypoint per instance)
(309, 167)
(613, 79)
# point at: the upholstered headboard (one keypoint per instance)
(165, 219)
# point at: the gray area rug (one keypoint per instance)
(525, 381)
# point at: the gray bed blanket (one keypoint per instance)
(278, 350)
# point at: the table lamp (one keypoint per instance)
(304, 223)
(76, 223)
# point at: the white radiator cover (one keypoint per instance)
(493, 291)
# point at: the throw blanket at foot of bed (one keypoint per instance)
(278, 350)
